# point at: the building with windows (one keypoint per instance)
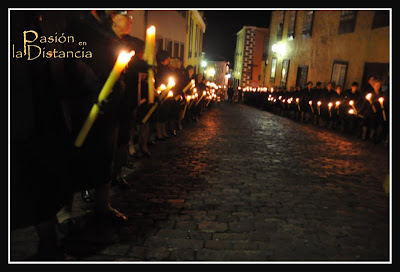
(251, 52)
(180, 32)
(342, 46)
(195, 28)
(170, 31)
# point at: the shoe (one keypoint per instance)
(112, 216)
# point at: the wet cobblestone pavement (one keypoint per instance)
(243, 185)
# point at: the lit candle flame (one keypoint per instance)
(280, 97)
(351, 111)
(171, 82)
(380, 99)
(297, 100)
(310, 102)
(204, 92)
(319, 103)
(368, 96)
(125, 57)
(337, 103)
(170, 94)
(151, 30)
(330, 104)
(351, 103)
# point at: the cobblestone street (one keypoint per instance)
(243, 185)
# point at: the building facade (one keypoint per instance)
(180, 32)
(327, 45)
(195, 28)
(249, 55)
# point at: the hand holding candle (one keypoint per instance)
(122, 60)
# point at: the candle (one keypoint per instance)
(382, 107)
(122, 60)
(337, 106)
(330, 107)
(204, 93)
(351, 103)
(164, 93)
(191, 83)
(312, 109)
(148, 56)
(368, 97)
(187, 102)
(319, 107)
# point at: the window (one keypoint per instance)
(169, 47)
(200, 42)
(292, 24)
(182, 51)
(301, 79)
(281, 20)
(285, 71)
(176, 49)
(339, 71)
(159, 44)
(196, 41)
(190, 37)
(347, 21)
(273, 70)
(308, 23)
(381, 19)
(265, 49)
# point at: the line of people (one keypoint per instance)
(51, 99)
(362, 113)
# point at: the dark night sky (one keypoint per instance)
(222, 26)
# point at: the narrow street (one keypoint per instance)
(243, 185)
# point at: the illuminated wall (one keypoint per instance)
(248, 56)
(195, 28)
(366, 44)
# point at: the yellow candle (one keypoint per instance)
(351, 103)
(330, 107)
(319, 107)
(152, 109)
(119, 66)
(204, 93)
(368, 97)
(382, 107)
(188, 86)
(310, 102)
(148, 56)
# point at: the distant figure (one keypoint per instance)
(230, 94)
